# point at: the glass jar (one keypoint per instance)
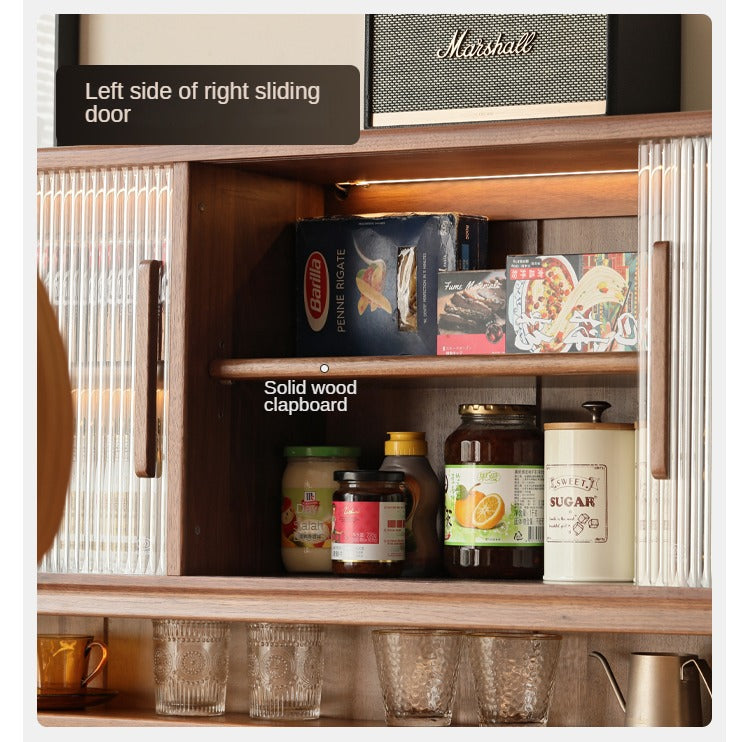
(369, 510)
(307, 488)
(494, 493)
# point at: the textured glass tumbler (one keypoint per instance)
(191, 664)
(417, 670)
(285, 670)
(514, 676)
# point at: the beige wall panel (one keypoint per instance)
(696, 94)
(224, 39)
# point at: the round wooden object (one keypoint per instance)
(54, 424)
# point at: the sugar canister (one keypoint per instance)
(589, 500)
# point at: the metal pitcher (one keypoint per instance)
(663, 689)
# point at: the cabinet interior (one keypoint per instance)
(239, 277)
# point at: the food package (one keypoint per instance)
(471, 313)
(572, 303)
(367, 285)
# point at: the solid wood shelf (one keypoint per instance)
(584, 143)
(423, 367)
(468, 604)
(112, 716)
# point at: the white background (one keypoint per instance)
(19, 331)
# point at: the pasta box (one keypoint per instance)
(471, 313)
(584, 303)
(367, 285)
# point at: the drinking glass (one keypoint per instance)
(417, 670)
(191, 665)
(514, 676)
(285, 670)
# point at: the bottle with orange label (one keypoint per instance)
(494, 493)
(407, 452)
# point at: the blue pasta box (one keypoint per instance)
(367, 285)
(586, 303)
(471, 313)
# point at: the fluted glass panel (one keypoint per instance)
(94, 228)
(674, 514)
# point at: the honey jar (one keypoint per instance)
(494, 493)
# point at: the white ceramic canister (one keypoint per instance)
(589, 500)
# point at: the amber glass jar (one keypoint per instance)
(369, 510)
(494, 494)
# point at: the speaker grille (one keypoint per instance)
(567, 62)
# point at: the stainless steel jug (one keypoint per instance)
(663, 689)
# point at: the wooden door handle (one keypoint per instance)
(146, 361)
(659, 359)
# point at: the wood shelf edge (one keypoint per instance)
(627, 128)
(567, 364)
(126, 717)
(596, 608)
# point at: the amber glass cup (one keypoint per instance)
(62, 662)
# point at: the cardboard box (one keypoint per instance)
(572, 303)
(367, 285)
(471, 313)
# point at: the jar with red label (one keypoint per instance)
(369, 510)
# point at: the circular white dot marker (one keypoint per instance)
(324, 368)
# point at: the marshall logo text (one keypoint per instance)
(459, 47)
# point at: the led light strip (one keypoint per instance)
(400, 181)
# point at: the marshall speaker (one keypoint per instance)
(440, 68)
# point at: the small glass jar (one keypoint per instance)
(369, 510)
(307, 488)
(494, 493)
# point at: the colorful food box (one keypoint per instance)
(572, 303)
(367, 285)
(471, 313)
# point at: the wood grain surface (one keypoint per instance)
(146, 352)
(590, 607)
(551, 145)
(659, 352)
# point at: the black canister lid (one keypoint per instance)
(597, 409)
(368, 475)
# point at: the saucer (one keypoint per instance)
(73, 701)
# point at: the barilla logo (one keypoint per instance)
(316, 291)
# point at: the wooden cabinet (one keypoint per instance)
(547, 186)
